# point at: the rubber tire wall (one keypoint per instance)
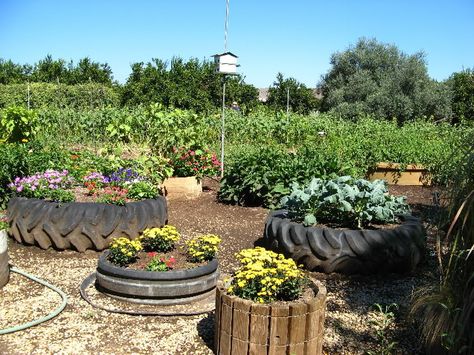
(347, 251)
(81, 225)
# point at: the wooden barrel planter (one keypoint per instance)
(347, 251)
(188, 187)
(4, 267)
(393, 173)
(159, 288)
(244, 327)
(81, 225)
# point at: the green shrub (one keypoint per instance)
(54, 96)
(18, 124)
(263, 176)
(142, 190)
(344, 202)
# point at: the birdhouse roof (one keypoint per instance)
(226, 53)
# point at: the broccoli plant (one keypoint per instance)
(344, 202)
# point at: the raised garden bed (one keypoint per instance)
(347, 251)
(154, 287)
(4, 267)
(412, 174)
(81, 225)
(294, 327)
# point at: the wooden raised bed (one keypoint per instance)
(4, 268)
(244, 327)
(189, 187)
(394, 175)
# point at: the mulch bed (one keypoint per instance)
(81, 328)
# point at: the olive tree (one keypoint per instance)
(378, 79)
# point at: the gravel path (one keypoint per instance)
(83, 329)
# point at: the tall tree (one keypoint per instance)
(378, 79)
(301, 98)
(462, 86)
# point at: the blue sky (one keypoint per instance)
(296, 37)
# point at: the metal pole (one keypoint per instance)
(287, 113)
(28, 95)
(223, 127)
(226, 25)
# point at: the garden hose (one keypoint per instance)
(91, 278)
(42, 319)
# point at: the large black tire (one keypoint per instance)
(347, 251)
(81, 225)
(161, 288)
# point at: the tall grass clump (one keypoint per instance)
(446, 310)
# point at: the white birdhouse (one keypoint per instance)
(226, 63)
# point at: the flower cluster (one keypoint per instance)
(265, 276)
(160, 264)
(199, 163)
(113, 194)
(123, 177)
(124, 251)
(160, 239)
(203, 248)
(44, 185)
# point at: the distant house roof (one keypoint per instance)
(263, 94)
(226, 53)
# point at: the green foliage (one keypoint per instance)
(301, 98)
(262, 176)
(381, 323)
(376, 78)
(157, 264)
(58, 96)
(462, 85)
(18, 124)
(343, 202)
(52, 71)
(26, 159)
(444, 309)
(154, 167)
(170, 128)
(192, 85)
(142, 190)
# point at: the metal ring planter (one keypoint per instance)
(347, 251)
(245, 327)
(159, 288)
(81, 225)
(4, 267)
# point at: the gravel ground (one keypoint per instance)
(351, 319)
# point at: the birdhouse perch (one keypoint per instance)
(226, 63)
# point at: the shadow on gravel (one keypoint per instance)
(205, 330)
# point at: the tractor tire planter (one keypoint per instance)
(158, 288)
(81, 225)
(245, 327)
(4, 267)
(347, 251)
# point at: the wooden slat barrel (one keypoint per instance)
(244, 327)
(4, 267)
